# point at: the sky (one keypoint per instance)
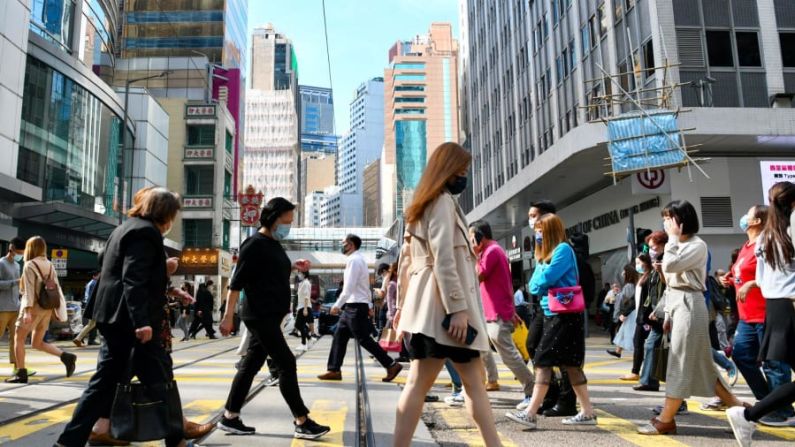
(360, 34)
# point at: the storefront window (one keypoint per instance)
(69, 141)
(52, 20)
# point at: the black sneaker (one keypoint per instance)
(235, 426)
(310, 430)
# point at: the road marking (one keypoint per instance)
(202, 410)
(331, 413)
(29, 425)
(457, 420)
(628, 431)
(782, 433)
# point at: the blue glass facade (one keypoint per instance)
(409, 66)
(317, 120)
(410, 145)
(53, 20)
(409, 77)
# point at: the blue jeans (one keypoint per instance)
(647, 371)
(457, 386)
(747, 341)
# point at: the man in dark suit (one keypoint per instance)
(204, 311)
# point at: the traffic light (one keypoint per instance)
(640, 240)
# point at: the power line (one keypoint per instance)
(330, 82)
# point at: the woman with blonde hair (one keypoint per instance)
(33, 319)
(438, 303)
(563, 338)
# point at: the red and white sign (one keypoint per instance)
(654, 181)
(250, 202)
(774, 172)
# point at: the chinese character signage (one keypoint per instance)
(199, 153)
(250, 203)
(199, 261)
(199, 111)
(774, 172)
(197, 202)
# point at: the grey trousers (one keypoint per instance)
(500, 334)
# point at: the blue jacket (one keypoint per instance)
(561, 271)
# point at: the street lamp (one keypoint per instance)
(124, 139)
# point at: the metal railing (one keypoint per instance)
(364, 423)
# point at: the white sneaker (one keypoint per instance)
(743, 429)
(523, 405)
(454, 400)
(523, 418)
(302, 348)
(580, 419)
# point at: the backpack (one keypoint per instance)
(49, 296)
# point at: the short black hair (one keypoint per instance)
(273, 210)
(382, 267)
(683, 212)
(17, 242)
(482, 227)
(355, 240)
(545, 206)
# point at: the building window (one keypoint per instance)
(719, 48)
(198, 180)
(630, 4)
(787, 49)
(602, 20)
(197, 233)
(230, 142)
(53, 20)
(409, 77)
(227, 230)
(410, 66)
(586, 40)
(592, 31)
(648, 60)
(410, 99)
(227, 185)
(201, 135)
(748, 49)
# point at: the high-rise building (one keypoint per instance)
(371, 200)
(535, 90)
(420, 110)
(272, 159)
(317, 119)
(216, 29)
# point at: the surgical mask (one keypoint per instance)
(539, 237)
(458, 185)
(18, 258)
(281, 231)
(653, 253)
(639, 269)
(344, 249)
(744, 223)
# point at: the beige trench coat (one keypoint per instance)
(437, 275)
(30, 283)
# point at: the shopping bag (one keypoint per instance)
(520, 340)
(390, 341)
(661, 359)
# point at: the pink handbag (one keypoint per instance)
(567, 300)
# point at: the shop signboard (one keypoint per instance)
(59, 258)
(515, 251)
(250, 203)
(774, 172)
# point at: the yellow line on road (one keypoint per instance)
(782, 433)
(331, 413)
(457, 420)
(628, 431)
(29, 425)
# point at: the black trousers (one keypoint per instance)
(782, 396)
(151, 364)
(302, 323)
(355, 322)
(267, 340)
(639, 340)
(206, 321)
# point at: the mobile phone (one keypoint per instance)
(471, 332)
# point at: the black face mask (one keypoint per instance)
(457, 185)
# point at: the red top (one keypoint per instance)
(496, 289)
(744, 270)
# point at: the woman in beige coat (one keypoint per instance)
(32, 318)
(436, 280)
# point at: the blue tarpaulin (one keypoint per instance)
(637, 141)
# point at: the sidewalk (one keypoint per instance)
(330, 403)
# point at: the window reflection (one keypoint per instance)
(52, 20)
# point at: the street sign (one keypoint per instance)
(250, 202)
(59, 257)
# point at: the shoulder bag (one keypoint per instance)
(567, 300)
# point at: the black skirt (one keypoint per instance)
(779, 338)
(424, 347)
(562, 342)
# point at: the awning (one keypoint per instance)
(64, 215)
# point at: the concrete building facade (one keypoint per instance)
(420, 110)
(532, 69)
(371, 194)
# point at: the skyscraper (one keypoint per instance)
(420, 111)
(271, 162)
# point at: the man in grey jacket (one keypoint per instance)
(9, 292)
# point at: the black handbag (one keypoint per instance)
(661, 359)
(145, 412)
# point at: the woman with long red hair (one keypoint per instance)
(438, 303)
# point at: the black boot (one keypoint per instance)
(566, 404)
(20, 377)
(69, 360)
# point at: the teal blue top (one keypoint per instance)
(560, 271)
